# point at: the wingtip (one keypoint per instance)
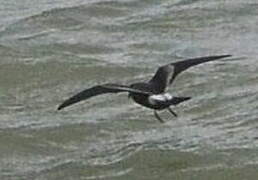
(60, 107)
(227, 55)
(221, 56)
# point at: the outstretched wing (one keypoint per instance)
(165, 75)
(97, 90)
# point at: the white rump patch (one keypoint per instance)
(156, 98)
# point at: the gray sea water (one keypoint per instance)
(51, 50)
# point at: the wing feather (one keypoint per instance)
(98, 90)
(165, 75)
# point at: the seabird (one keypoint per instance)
(151, 94)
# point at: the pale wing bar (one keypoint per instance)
(161, 79)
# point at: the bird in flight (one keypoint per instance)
(151, 94)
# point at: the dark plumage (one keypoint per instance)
(151, 94)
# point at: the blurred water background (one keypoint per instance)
(51, 50)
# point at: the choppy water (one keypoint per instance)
(51, 50)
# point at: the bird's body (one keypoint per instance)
(153, 100)
(152, 94)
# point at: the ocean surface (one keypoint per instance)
(50, 50)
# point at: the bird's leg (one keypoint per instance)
(158, 117)
(172, 112)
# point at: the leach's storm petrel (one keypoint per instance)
(152, 94)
